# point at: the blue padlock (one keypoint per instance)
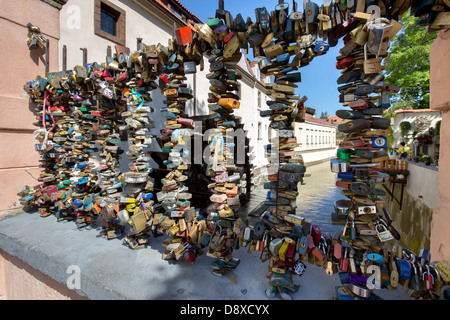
(321, 47)
(404, 269)
(375, 257)
(282, 59)
(82, 181)
(379, 142)
(346, 176)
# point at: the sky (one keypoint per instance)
(318, 78)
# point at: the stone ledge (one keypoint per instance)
(111, 271)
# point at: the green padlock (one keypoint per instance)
(214, 23)
(345, 154)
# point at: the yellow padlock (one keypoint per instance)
(229, 103)
(283, 250)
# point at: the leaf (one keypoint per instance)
(408, 63)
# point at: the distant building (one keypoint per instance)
(317, 139)
(421, 122)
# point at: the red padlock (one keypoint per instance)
(228, 37)
(344, 63)
(290, 253)
(428, 278)
(164, 78)
(359, 104)
(140, 83)
(318, 253)
(310, 246)
(337, 251)
(343, 265)
(189, 256)
(316, 234)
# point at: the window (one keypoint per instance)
(110, 22)
(259, 99)
(259, 131)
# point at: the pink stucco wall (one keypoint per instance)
(440, 100)
(19, 281)
(18, 161)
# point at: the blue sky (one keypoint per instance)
(318, 78)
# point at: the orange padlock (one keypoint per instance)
(232, 192)
(229, 103)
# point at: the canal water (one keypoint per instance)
(316, 197)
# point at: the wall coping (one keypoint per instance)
(112, 271)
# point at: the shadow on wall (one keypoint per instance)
(38, 55)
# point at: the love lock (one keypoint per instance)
(360, 188)
(383, 233)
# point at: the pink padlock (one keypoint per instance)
(186, 122)
(166, 132)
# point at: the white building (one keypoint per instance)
(97, 26)
(317, 139)
(421, 121)
(253, 100)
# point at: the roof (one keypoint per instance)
(415, 110)
(166, 4)
(246, 65)
(196, 19)
(336, 120)
(310, 118)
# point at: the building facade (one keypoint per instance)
(87, 31)
(317, 139)
(421, 122)
(19, 163)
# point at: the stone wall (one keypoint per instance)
(420, 196)
(440, 100)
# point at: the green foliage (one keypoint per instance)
(405, 126)
(438, 128)
(408, 64)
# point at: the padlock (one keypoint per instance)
(311, 12)
(414, 282)
(321, 47)
(302, 245)
(189, 67)
(318, 253)
(263, 18)
(378, 39)
(282, 252)
(281, 11)
(275, 246)
(428, 278)
(383, 233)
(438, 283)
(371, 66)
(239, 23)
(274, 51)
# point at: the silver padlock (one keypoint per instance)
(383, 233)
(378, 41)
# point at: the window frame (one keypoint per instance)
(120, 21)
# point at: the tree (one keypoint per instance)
(408, 64)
